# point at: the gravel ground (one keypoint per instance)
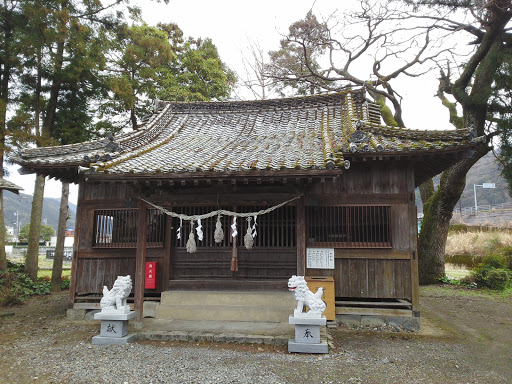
(38, 345)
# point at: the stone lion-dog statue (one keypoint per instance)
(115, 299)
(299, 287)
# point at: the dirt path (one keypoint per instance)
(465, 338)
(481, 324)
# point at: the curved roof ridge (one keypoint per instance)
(386, 130)
(310, 101)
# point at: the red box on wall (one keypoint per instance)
(151, 275)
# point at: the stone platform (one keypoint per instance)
(307, 335)
(217, 331)
(221, 316)
(114, 328)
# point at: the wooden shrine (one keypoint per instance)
(349, 181)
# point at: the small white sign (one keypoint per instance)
(489, 185)
(320, 258)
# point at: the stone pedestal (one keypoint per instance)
(114, 328)
(307, 335)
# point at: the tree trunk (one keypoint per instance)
(3, 114)
(438, 212)
(3, 256)
(61, 235)
(32, 261)
(5, 76)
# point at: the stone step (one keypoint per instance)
(223, 312)
(243, 306)
(219, 331)
(213, 298)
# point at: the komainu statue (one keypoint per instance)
(115, 299)
(299, 287)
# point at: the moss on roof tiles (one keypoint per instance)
(270, 134)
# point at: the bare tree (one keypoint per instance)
(254, 77)
(371, 47)
(379, 43)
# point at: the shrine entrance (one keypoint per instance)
(228, 263)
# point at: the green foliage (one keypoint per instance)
(293, 63)
(47, 232)
(506, 253)
(197, 74)
(470, 261)
(16, 286)
(64, 284)
(465, 282)
(493, 243)
(147, 63)
(139, 55)
(502, 115)
(493, 273)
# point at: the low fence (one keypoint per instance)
(68, 254)
(17, 252)
(483, 208)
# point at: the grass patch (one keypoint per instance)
(446, 290)
(48, 263)
(456, 271)
(43, 262)
(487, 254)
(476, 243)
(48, 274)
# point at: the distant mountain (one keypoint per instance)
(22, 204)
(486, 170)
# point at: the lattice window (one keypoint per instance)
(117, 228)
(349, 226)
(274, 229)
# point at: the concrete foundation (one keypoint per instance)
(294, 347)
(402, 322)
(307, 335)
(105, 340)
(114, 328)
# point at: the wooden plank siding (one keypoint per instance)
(376, 273)
(94, 269)
(379, 272)
(369, 278)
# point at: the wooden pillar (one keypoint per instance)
(413, 242)
(234, 249)
(166, 265)
(76, 244)
(140, 261)
(301, 237)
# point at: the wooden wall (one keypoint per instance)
(96, 267)
(375, 273)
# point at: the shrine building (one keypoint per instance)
(312, 186)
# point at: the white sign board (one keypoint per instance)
(320, 258)
(489, 185)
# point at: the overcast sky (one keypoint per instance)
(232, 24)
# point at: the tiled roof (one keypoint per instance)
(315, 132)
(9, 186)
